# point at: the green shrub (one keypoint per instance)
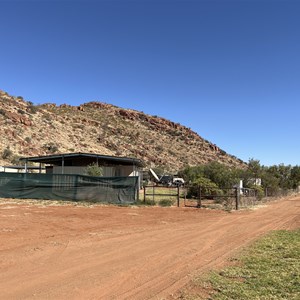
(259, 191)
(166, 202)
(7, 153)
(32, 109)
(149, 202)
(207, 188)
(51, 147)
(146, 202)
(20, 111)
(94, 170)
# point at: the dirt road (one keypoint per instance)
(105, 252)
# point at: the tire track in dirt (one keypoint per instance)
(148, 254)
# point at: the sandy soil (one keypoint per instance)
(106, 252)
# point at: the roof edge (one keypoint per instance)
(137, 161)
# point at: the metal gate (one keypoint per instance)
(154, 194)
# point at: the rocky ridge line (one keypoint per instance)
(29, 130)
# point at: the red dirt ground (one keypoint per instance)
(107, 252)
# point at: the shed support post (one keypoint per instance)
(62, 165)
(26, 161)
(137, 192)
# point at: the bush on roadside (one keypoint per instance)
(259, 191)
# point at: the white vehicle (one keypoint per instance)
(167, 180)
(178, 181)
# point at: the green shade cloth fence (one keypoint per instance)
(69, 187)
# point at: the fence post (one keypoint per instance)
(153, 194)
(199, 200)
(237, 191)
(144, 194)
(178, 195)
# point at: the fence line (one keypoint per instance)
(151, 190)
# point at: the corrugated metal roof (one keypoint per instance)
(48, 159)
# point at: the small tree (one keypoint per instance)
(190, 174)
(269, 179)
(259, 191)
(94, 170)
(295, 176)
(207, 187)
(220, 174)
(254, 169)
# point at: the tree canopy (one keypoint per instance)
(274, 177)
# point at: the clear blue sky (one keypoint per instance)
(229, 70)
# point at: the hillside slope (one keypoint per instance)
(29, 130)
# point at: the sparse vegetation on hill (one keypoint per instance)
(30, 130)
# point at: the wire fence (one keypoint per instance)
(167, 195)
(207, 197)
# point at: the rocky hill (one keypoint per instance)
(30, 130)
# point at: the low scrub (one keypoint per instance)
(146, 202)
(166, 202)
(7, 153)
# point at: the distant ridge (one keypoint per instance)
(29, 130)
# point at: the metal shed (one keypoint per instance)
(76, 163)
(65, 179)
